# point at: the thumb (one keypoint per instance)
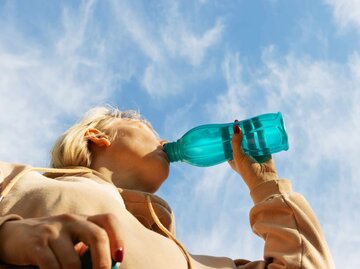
(242, 160)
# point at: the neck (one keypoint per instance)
(121, 179)
(105, 173)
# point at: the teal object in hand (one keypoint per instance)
(210, 144)
(86, 262)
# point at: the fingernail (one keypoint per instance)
(119, 255)
(236, 129)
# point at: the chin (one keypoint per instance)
(162, 170)
(162, 175)
(153, 190)
(160, 182)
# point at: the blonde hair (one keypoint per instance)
(72, 147)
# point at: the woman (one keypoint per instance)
(111, 152)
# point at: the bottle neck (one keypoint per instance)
(173, 151)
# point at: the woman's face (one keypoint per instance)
(138, 154)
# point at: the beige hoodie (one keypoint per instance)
(292, 234)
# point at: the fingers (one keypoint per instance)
(49, 242)
(242, 161)
(97, 240)
(111, 225)
(263, 159)
(45, 258)
(100, 233)
(28, 243)
(80, 248)
(253, 172)
(65, 253)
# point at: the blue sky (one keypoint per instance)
(185, 63)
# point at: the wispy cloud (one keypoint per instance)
(235, 101)
(312, 93)
(160, 80)
(180, 40)
(78, 62)
(167, 42)
(141, 31)
(346, 12)
(39, 86)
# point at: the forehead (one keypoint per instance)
(127, 123)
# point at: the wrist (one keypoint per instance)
(254, 182)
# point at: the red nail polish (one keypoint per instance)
(119, 254)
(236, 129)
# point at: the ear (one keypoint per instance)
(97, 137)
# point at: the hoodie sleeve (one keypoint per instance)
(5, 169)
(6, 218)
(292, 233)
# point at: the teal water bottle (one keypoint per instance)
(210, 144)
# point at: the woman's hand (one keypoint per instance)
(54, 242)
(250, 170)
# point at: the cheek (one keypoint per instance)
(157, 166)
(135, 148)
(144, 146)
